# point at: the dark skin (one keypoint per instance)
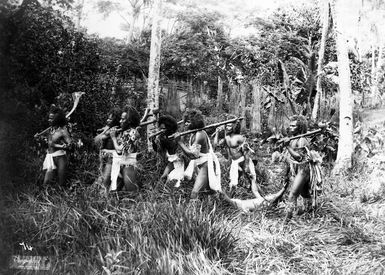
(202, 180)
(170, 166)
(232, 142)
(58, 139)
(105, 135)
(128, 172)
(301, 181)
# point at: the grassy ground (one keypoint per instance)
(160, 231)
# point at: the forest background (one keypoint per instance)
(272, 68)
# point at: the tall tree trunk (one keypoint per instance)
(376, 94)
(133, 20)
(242, 104)
(220, 94)
(321, 53)
(256, 122)
(234, 92)
(271, 119)
(373, 70)
(79, 13)
(345, 144)
(154, 66)
(190, 94)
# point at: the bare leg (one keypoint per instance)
(201, 181)
(299, 183)
(61, 163)
(129, 178)
(307, 201)
(106, 177)
(48, 176)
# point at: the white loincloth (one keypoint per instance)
(48, 163)
(235, 168)
(214, 169)
(117, 162)
(178, 172)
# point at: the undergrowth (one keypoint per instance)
(160, 231)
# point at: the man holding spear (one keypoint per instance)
(304, 166)
(59, 141)
(201, 154)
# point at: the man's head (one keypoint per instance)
(298, 125)
(168, 123)
(56, 117)
(235, 127)
(193, 119)
(129, 119)
(113, 118)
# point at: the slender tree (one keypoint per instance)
(154, 67)
(321, 52)
(345, 144)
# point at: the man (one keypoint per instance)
(59, 142)
(299, 164)
(104, 142)
(202, 156)
(238, 150)
(126, 150)
(174, 169)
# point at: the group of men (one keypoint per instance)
(118, 142)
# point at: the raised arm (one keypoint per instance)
(118, 147)
(219, 141)
(193, 151)
(294, 152)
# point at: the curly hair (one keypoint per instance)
(115, 113)
(236, 126)
(59, 118)
(170, 123)
(133, 118)
(301, 123)
(195, 117)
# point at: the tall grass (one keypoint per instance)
(159, 231)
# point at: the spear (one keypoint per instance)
(76, 97)
(311, 133)
(163, 131)
(208, 127)
(322, 126)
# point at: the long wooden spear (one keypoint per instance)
(163, 131)
(322, 126)
(208, 127)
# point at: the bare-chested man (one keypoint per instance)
(106, 145)
(201, 154)
(168, 147)
(299, 166)
(59, 141)
(238, 150)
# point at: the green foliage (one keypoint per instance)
(192, 52)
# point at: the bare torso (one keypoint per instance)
(201, 138)
(234, 143)
(57, 136)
